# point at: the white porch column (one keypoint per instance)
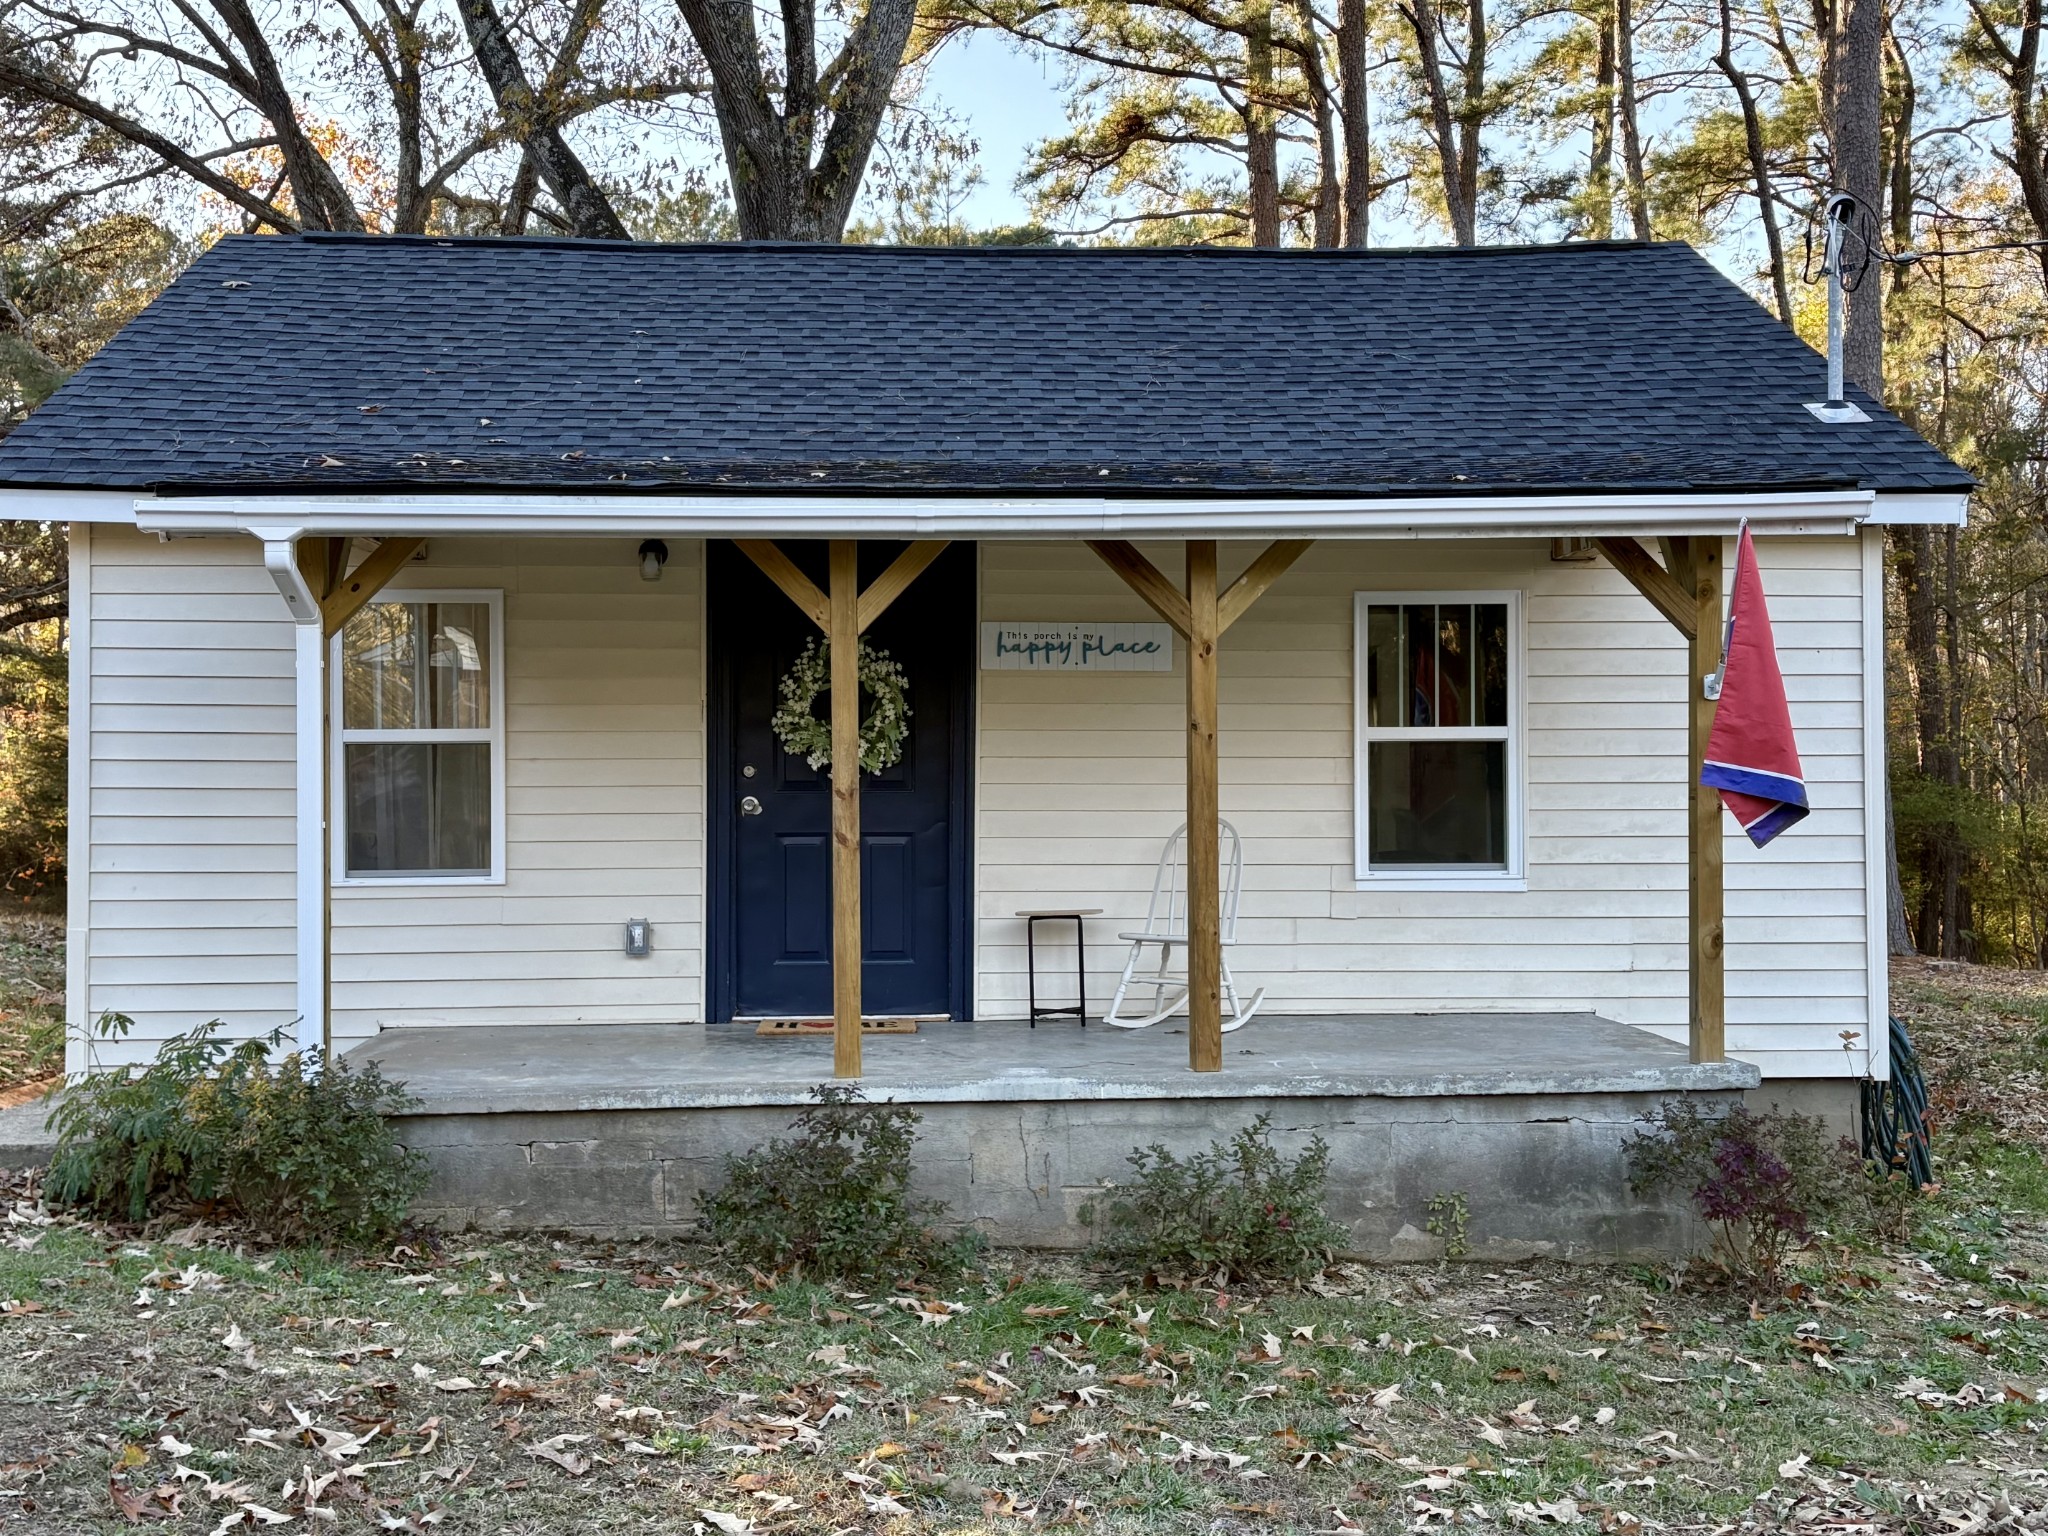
(309, 652)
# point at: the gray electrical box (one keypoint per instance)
(638, 941)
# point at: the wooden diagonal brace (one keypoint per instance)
(355, 590)
(896, 580)
(1666, 593)
(1144, 578)
(1271, 565)
(795, 585)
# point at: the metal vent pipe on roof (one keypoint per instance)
(1840, 208)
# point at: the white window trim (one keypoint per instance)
(1446, 877)
(338, 817)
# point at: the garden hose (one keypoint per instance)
(1896, 1131)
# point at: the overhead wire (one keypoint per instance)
(1863, 244)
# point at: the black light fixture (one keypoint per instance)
(653, 556)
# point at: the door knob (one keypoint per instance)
(749, 806)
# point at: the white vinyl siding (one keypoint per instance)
(191, 836)
(604, 751)
(1080, 780)
(182, 863)
(185, 855)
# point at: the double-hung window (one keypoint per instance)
(419, 756)
(1438, 749)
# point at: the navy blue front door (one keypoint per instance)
(771, 890)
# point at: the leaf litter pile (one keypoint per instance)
(196, 1380)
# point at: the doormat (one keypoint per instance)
(821, 1029)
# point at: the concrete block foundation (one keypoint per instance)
(619, 1129)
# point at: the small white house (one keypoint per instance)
(433, 601)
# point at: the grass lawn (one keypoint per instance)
(193, 1380)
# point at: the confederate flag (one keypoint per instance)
(1751, 757)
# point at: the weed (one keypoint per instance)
(834, 1200)
(1237, 1210)
(1450, 1218)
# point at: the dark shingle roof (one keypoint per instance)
(324, 363)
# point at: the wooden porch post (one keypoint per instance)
(844, 613)
(843, 635)
(1699, 562)
(1200, 618)
(1205, 912)
(1686, 589)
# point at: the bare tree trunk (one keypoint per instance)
(1471, 113)
(519, 200)
(322, 201)
(1759, 162)
(1423, 22)
(1958, 922)
(1356, 111)
(1899, 194)
(1857, 111)
(411, 207)
(1930, 717)
(1898, 936)
(1261, 129)
(1631, 128)
(780, 192)
(1600, 170)
(585, 204)
(1328, 223)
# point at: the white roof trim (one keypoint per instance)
(1827, 512)
(1830, 512)
(1945, 508)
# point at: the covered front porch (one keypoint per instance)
(620, 1127)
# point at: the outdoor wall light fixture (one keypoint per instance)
(653, 556)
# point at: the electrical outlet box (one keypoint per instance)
(639, 938)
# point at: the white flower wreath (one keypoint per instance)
(804, 735)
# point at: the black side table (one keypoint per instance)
(1074, 915)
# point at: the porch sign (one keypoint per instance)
(1059, 647)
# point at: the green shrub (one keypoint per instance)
(834, 1200)
(1238, 1211)
(299, 1146)
(1763, 1182)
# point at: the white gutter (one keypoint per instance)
(1818, 512)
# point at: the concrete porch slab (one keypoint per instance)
(542, 1069)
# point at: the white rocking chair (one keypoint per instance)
(1166, 930)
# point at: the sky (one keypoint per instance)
(1006, 101)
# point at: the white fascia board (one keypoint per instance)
(1941, 508)
(34, 504)
(1011, 517)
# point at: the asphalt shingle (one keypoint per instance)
(335, 363)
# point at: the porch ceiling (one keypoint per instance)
(568, 1068)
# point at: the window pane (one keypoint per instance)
(1491, 620)
(1419, 619)
(419, 808)
(1454, 664)
(417, 666)
(1385, 669)
(1437, 802)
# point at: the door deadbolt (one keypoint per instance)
(750, 806)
